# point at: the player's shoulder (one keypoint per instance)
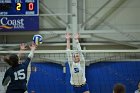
(9, 69)
(27, 59)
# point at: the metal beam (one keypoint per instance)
(54, 22)
(56, 14)
(64, 51)
(50, 21)
(74, 26)
(83, 24)
(45, 38)
(57, 18)
(107, 14)
(116, 41)
(80, 5)
(64, 44)
(48, 32)
(109, 31)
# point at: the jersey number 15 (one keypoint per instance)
(19, 75)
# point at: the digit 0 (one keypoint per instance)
(31, 6)
(18, 7)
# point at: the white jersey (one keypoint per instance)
(77, 70)
(137, 91)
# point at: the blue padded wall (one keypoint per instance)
(101, 77)
(48, 78)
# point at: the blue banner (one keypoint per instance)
(19, 23)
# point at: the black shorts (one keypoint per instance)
(15, 91)
(80, 89)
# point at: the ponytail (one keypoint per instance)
(6, 59)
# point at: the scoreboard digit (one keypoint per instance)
(18, 6)
(30, 6)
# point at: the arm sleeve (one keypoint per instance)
(82, 59)
(6, 79)
(31, 54)
(28, 60)
(69, 56)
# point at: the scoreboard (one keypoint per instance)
(19, 7)
(19, 15)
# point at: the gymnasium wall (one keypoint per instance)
(101, 77)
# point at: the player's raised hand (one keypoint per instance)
(32, 46)
(77, 36)
(68, 36)
(23, 46)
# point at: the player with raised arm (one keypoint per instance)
(77, 67)
(16, 75)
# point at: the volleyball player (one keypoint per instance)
(77, 67)
(119, 88)
(16, 75)
(138, 90)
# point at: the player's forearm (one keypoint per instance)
(20, 53)
(78, 45)
(79, 50)
(5, 81)
(31, 54)
(68, 43)
(69, 56)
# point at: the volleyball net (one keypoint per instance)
(91, 56)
